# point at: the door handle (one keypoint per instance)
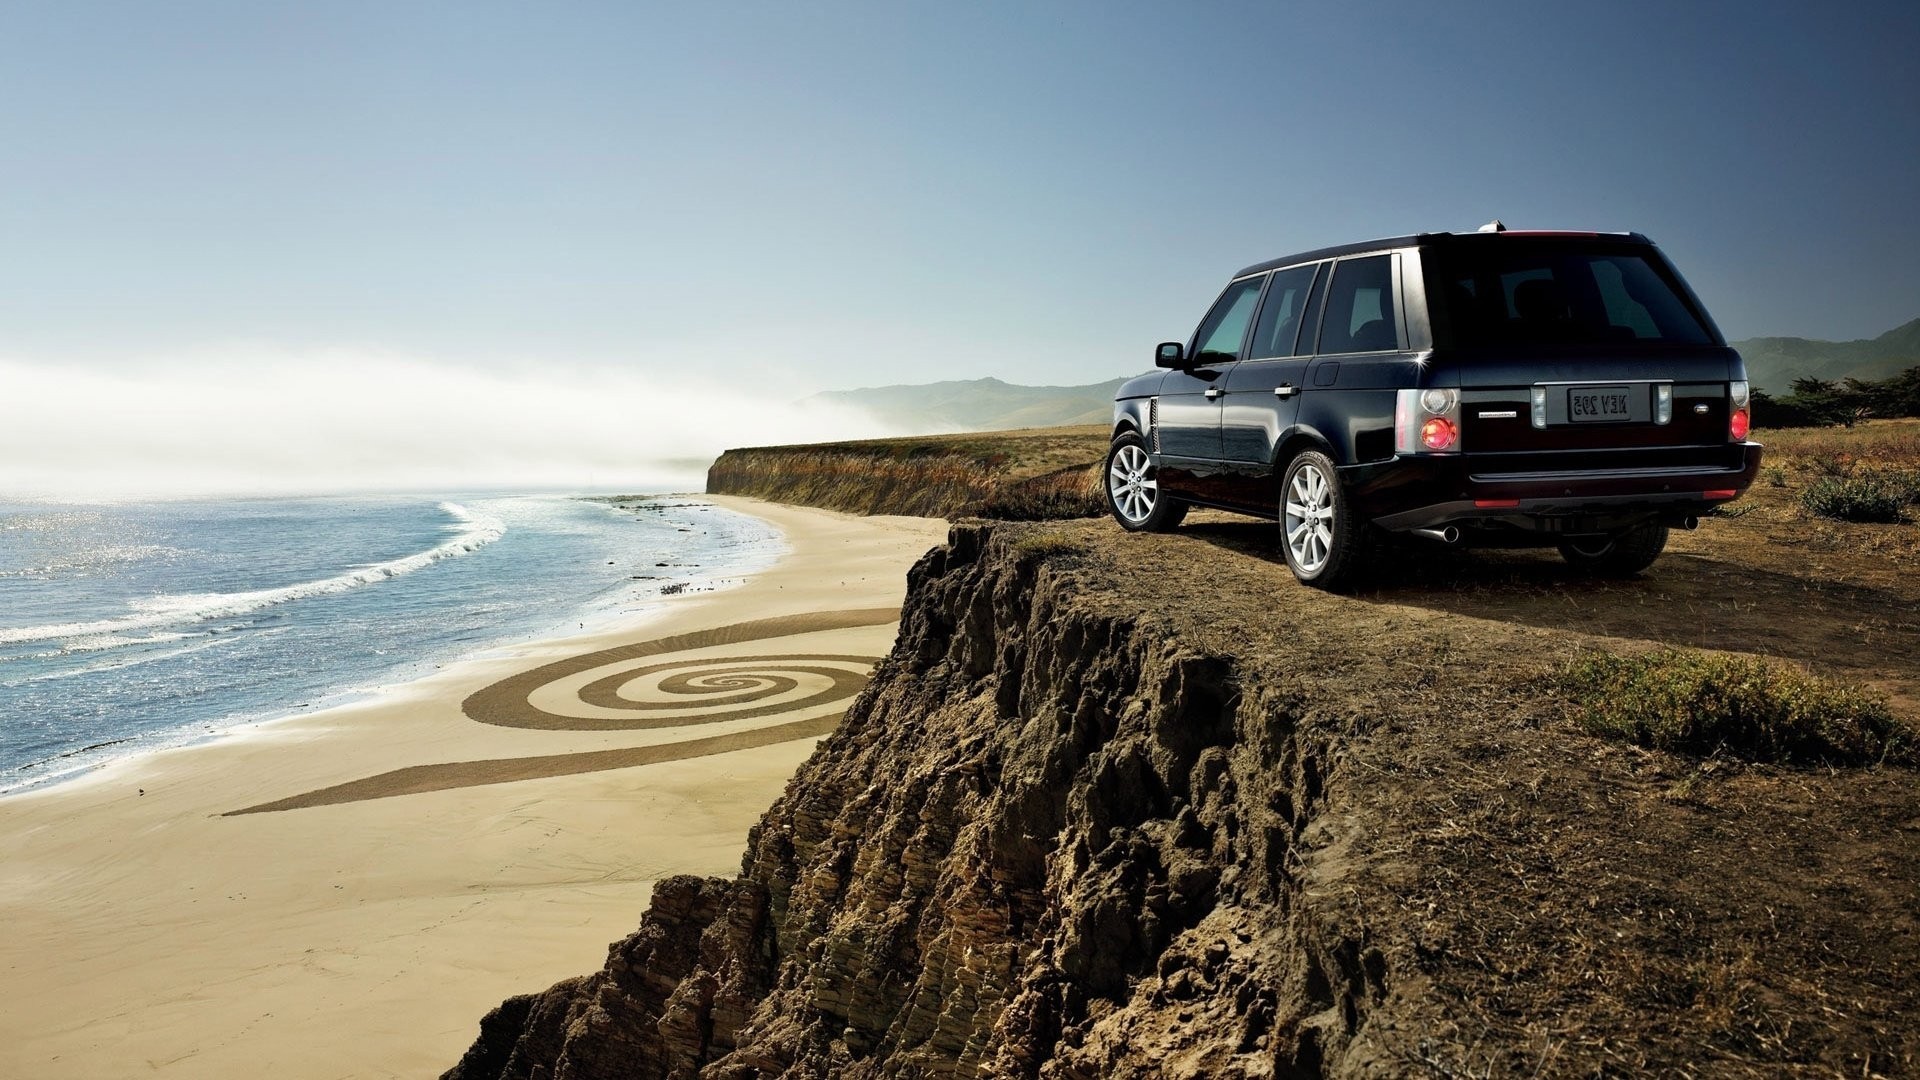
(1214, 392)
(1283, 390)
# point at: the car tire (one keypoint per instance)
(1621, 554)
(1133, 489)
(1324, 542)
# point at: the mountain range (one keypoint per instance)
(1773, 363)
(980, 405)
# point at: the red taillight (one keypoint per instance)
(1739, 424)
(1495, 504)
(1724, 493)
(1426, 421)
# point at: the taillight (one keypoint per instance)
(1426, 421)
(1739, 419)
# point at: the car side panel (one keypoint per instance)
(1254, 418)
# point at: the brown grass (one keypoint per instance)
(1032, 474)
(1886, 443)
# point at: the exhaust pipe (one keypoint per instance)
(1689, 523)
(1447, 535)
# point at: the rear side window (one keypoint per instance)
(1280, 315)
(1563, 294)
(1219, 339)
(1361, 308)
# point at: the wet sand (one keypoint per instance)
(344, 894)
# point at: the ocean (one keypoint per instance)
(129, 627)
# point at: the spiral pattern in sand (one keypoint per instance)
(614, 690)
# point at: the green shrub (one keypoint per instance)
(1775, 476)
(1869, 497)
(1697, 702)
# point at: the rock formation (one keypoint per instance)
(1065, 833)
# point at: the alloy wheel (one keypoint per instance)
(1133, 490)
(1308, 519)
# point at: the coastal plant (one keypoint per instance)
(1869, 497)
(1697, 702)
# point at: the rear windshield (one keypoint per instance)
(1533, 293)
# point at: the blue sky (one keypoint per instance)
(810, 196)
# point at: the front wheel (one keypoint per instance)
(1133, 489)
(1621, 554)
(1324, 543)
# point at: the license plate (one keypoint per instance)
(1591, 403)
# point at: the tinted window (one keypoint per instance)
(1360, 307)
(1280, 314)
(1226, 325)
(1310, 326)
(1563, 294)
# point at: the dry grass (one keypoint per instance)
(1033, 474)
(1882, 443)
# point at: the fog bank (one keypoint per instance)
(354, 421)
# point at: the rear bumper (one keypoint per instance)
(1601, 490)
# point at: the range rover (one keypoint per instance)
(1497, 388)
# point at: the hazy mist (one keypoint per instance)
(263, 422)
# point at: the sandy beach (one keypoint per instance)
(344, 894)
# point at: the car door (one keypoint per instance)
(1188, 411)
(1263, 391)
(1363, 354)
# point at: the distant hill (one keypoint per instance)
(992, 405)
(1774, 362)
(980, 405)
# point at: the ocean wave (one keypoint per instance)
(475, 531)
(118, 663)
(99, 642)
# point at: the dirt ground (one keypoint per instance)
(1576, 906)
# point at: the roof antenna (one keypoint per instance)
(1493, 226)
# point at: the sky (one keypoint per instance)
(709, 211)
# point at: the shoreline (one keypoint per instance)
(604, 615)
(153, 930)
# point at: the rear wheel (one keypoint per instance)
(1620, 554)
(1324, 543)
(1133, 489)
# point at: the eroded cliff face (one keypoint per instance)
(1126, 806)
(1031, 849)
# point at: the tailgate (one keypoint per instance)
(1596, 401)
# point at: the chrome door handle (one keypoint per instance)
(1283, 390)
(1214, 392)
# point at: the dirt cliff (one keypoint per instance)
(1136, 806)
(1024, 475)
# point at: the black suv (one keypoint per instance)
(1501, 388)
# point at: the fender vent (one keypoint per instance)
(1153, 424)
